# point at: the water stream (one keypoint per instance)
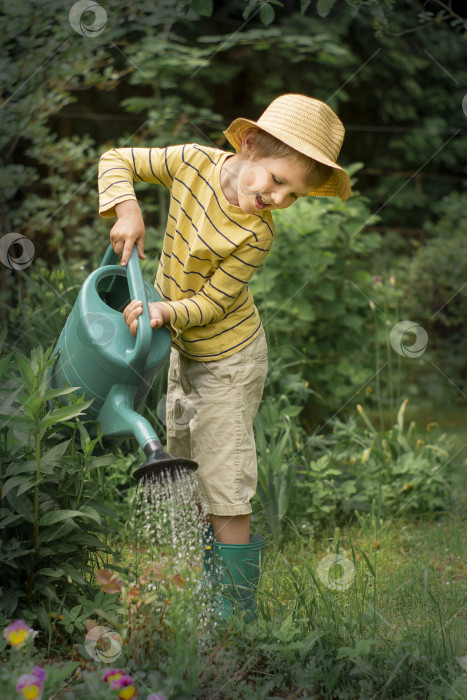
(169, 517)
(168, 523)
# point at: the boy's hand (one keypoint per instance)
(157, 312)
(128, 231)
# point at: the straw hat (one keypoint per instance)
(309, 126)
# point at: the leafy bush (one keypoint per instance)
(436, 288)
(39, 313)
(53, 515)
(309, 295)
(359, 468)
(306, 481)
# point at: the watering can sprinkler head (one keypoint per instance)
(160, 465)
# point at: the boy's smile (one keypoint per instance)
(256, 184)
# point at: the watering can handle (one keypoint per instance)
(137, 356)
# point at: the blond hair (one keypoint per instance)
(267, 146)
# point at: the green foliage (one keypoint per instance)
(38, 314)
(65, 207)
(375, 635)
(307, 482)
(436, 291)
(391, 472)
(277, 463)
(309, 295)
(32, 95)
(54, 518)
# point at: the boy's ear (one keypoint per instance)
(248, 145)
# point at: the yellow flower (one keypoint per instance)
(127, 693)
(18, 638)
(17, 633)
(406, 487)
(31, 692)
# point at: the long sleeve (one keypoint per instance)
(120, 167)
(221, 293)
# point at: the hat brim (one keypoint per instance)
(338, 184)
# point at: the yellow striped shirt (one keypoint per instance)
(210, 250)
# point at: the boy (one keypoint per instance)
(219, 229)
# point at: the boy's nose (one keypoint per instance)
(278, 198)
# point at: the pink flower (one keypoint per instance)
(121, 682)
(17, 633)
(30, 684)
(113, 674)
(377, 280)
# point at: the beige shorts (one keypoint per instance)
(210, 412)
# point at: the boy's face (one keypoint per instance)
(269, 183)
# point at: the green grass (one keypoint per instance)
(395, 632)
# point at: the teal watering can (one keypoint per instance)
(96, 352)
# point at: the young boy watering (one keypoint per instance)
(218, 232)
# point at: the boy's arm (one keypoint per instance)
(118, 169)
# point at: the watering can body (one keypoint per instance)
(96, 352)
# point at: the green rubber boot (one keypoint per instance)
(237, 571)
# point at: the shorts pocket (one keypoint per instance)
(260, 357)
(260, 349)
(229, 370)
